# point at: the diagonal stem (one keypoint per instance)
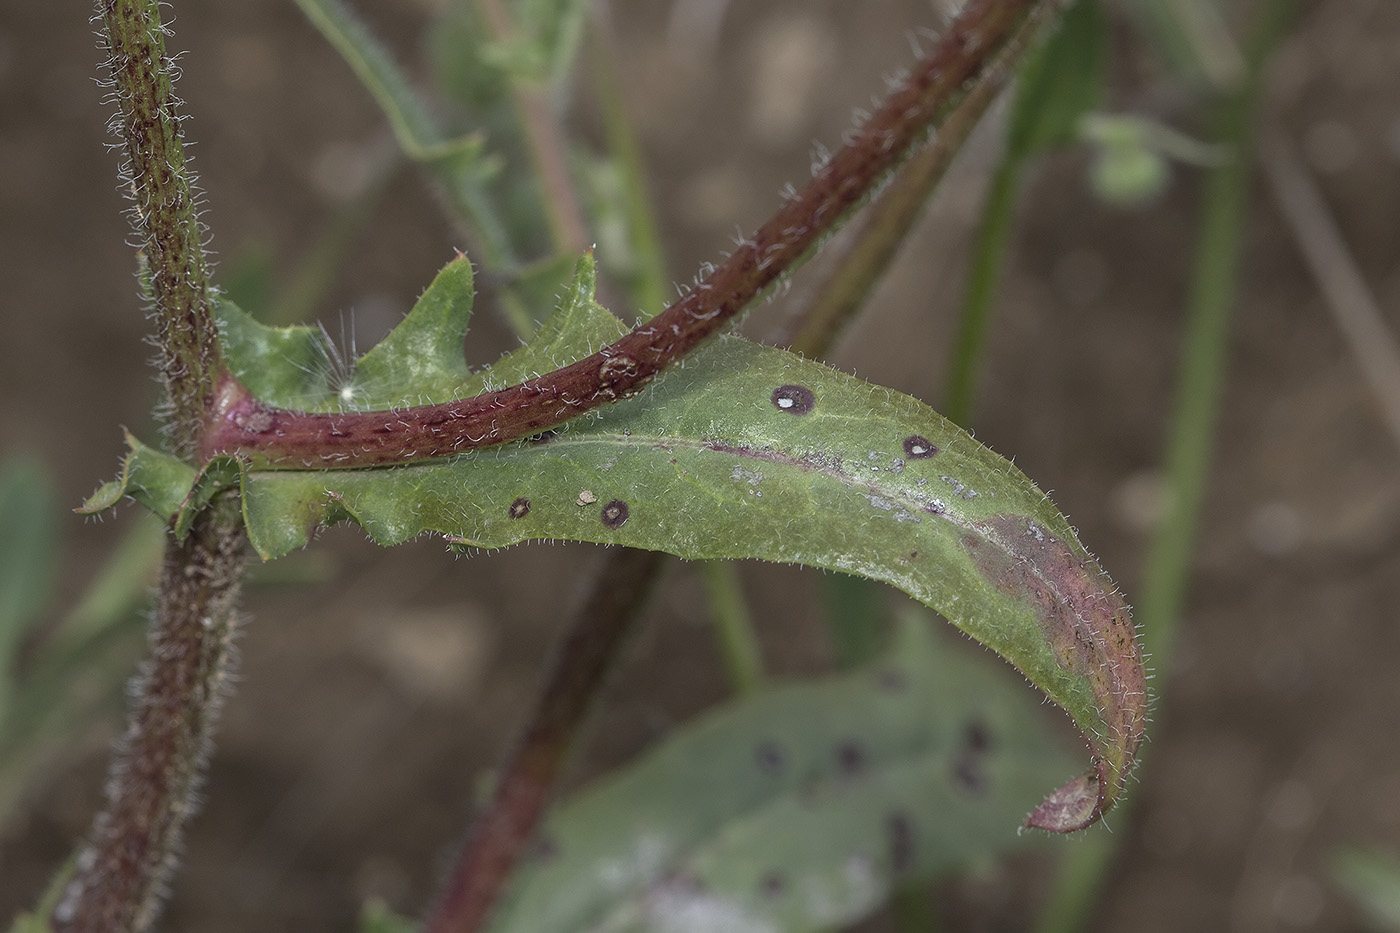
(969, 53)
(585, 657)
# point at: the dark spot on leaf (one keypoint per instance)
(795, 400)
(900, 829)
(770, 757)
(519, 508)
(773, 884)
(968, 770)
(968, 774)
(545, 849)
(977, 737)
(891, 679)
(919, 447)
(544, 437)
(850, 757)
(615, 513)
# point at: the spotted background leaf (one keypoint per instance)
(800, 808)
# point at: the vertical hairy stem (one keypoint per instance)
(120, 876)
(149, 125)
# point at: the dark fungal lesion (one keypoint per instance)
(519, 508)
(919, 447)
(769, 757)
(899, 830)
(969, 767)
(793, 399)
(615, 513)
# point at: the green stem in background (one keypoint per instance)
(988, 253)
(743, 657)
(856, 622)
(455, 163)
(649, 281)
(1214, 280)
(544, 139)
(1193, 36)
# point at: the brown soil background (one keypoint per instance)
(349, 757)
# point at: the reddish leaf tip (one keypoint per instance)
(1074, 806)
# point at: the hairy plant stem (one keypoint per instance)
(122, 872)
(164, 212)
(865, 251)
(120, 876)
(969, 51)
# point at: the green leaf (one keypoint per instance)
(158, 481)
(799, 808)
(750, 452)
(377, 917)
(1059, 82)
(1372, 878)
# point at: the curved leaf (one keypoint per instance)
(800, 808)
(747, 451)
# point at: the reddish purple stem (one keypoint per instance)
(279, 438)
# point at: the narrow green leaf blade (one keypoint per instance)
(800, 808)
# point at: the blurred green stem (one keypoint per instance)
(544, 138)
(650, 282)
(738, 642)
(1214, 279)
(988, 254)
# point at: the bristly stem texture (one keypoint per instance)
(967, 53)
(164, 211)
(120, 877)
